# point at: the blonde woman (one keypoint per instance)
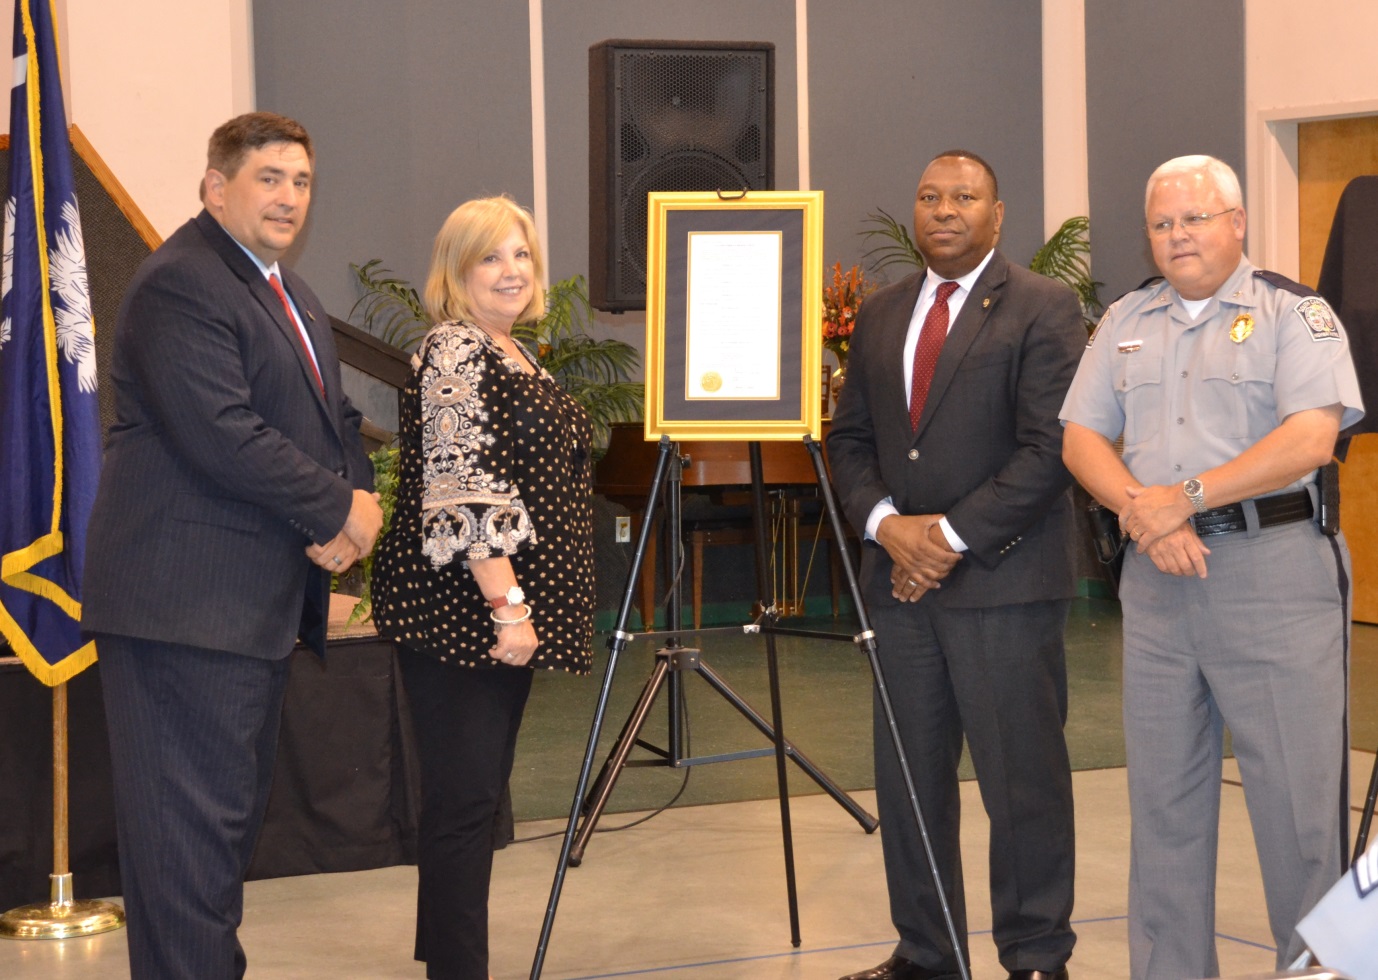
(487, 570)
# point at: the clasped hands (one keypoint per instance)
(355, 539)
(1157, 521)
(920, 552)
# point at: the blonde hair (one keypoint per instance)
(472, 230)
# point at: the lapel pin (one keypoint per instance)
(985, 303)
(1129, 346)
(310, 316)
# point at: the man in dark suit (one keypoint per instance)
(945, 449)
(234, 483)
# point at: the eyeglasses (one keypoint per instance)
(1189, 223)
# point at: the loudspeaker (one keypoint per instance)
(669, 116)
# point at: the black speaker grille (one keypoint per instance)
(687, 170)
(668, 116)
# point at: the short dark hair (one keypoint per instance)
(232, 141)
(990, 171)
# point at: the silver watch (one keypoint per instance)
(511, 597)
(1196, 493)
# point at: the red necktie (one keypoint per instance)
(301, 334)
(926, 351)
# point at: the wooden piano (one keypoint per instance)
(624, 475)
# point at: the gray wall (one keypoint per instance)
(419, 105)
(414, 107)
(893, 82)
(1163, 79)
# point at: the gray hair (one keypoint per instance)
(1221, 176)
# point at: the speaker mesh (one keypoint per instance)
(668, 116)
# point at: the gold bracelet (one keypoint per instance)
(511, 622)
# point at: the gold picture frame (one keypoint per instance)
(734, 295)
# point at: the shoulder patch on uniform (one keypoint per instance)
(1318, 319)
(1282, 282)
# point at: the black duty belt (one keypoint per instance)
(1285, 508)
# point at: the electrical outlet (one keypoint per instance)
(622, 529)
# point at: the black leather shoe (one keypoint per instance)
(898, 968)
(1039, 974)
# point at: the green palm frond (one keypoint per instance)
(895, 245)
(385, 485)
(594, 371)
(389, 307)
(1066, 257)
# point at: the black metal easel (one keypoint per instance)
(674, 658)
(1366, 817)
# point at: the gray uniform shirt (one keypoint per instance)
(1190, 395)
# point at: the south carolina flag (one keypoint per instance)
(49, 418)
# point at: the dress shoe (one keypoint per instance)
(898, 968)
(1039, 974)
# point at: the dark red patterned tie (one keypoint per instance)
(926, 351)
(301, 335)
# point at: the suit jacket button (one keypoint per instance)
(913, 454)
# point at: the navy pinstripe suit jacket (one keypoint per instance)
(225, 461)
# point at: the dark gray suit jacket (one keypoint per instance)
(988, 450)
(225, 461)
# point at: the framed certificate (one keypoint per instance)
(733, 312)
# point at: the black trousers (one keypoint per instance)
(997, 676)
(466, 721)
(193, 739)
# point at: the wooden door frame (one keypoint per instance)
(1271, 178)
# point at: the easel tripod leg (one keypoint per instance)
(616, 645)
(772, 668)
(867, 821)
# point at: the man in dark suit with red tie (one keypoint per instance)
(946, 452)
(234, 484)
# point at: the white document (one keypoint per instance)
(732, 342)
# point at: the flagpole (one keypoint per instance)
(62, 917)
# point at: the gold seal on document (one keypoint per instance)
(711, 381)
(1241, 328)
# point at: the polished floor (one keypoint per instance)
(698, 891)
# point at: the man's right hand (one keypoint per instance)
(1179, 552)
(925, 556)
(364, 522)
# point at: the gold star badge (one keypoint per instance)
(1241, 328)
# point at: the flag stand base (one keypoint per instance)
(62, 918)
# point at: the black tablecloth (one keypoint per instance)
(344, 792)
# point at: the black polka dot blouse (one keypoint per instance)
(494, 461)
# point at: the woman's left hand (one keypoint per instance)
(515, 644)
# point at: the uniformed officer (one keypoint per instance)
(1230, 385)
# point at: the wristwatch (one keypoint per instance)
(511, 597)
(1196, 494)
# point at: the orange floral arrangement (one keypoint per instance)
(841, 301)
